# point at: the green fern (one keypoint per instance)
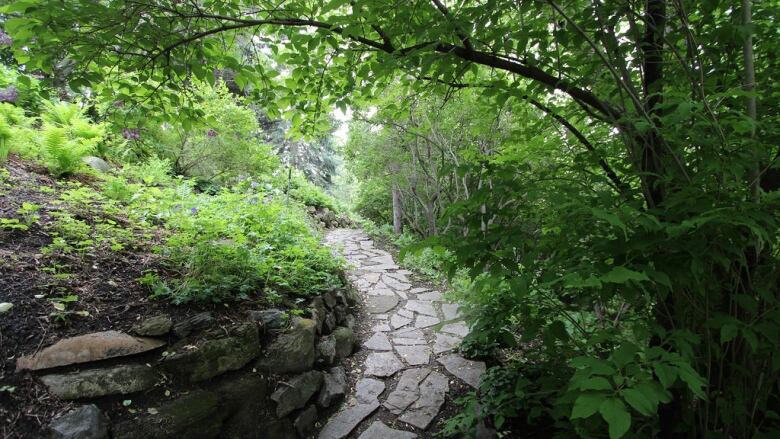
(63, 156)
(61, 114)
(13, 115)
(5, 136)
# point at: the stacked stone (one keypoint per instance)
(414, 333)
(234, 386)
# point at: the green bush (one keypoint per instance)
(239, 243)
(308, 193)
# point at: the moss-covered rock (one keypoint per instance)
(213, 357)
(293, 351)
(192, 416)
(345, 340)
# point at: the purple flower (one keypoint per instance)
(254, 184)
(211, 133)
(9, 94)
(131, 133)
(194, 210)
(5, 39)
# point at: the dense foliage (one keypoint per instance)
(603, 172)
(247, 237)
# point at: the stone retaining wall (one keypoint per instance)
(239, 382)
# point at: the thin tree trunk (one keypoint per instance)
(750, 86)
(397, 212)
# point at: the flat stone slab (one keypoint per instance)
(467, 370)
(424, 321)
(405, 313)
(409, 336)
(445, 342)
(379, 342)
(381, 304)
(367, 390)
(395, 284)
(378, 430)
(398, 321)
(418, 290)
(432, 393)
(382, 364)
(460, 329)
(415, 355)
(116, 380)
(397, 275)
(343, 422)
(450, 311)
(379, 291)
(87, 348)
(382, 327)
(432, 296)
(407, 391)
(421, 307)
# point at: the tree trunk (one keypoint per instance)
(749, 85)
(397, 212)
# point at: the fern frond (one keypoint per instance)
(61, 114)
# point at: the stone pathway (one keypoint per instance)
(410, 365)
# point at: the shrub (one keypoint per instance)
(232, 245)
(309, 194)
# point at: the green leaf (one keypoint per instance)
(558, 330)
(596, 383)
(615, 413)
(621, 275)
(666, 374)
(624, 354)
(639, 401)
(728, 332)
(586, 405)
(692, 378)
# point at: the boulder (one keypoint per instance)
(304, 422)
(326, 350)
(330, 299)
(293, 351)
(154, 326)
(345, 340)
(97, 164)
(318, 312)
(295, 393)
(85, 422)
(193, 324)
(115, 380)
(269, 318)
(334, 386)
(350, 321)
(341, 313)
(247, 410)
(329, 324)
(87, 348)
(213, 357)
(241, 392)
(192, 416)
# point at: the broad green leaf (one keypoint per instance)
(639, 401)
(615, 413)
(728, 332)
(596, 383)
(586, 405)
(621, 275)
